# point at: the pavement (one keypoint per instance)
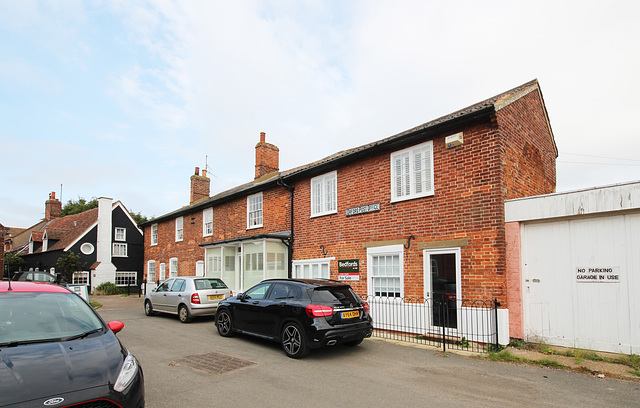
(599, 369)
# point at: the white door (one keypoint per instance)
(580, 280)
(442, 286)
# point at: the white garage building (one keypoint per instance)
(573, 264)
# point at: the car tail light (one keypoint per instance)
(319, 310)
(366, 307)
(195, 298)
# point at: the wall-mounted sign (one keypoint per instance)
(80, 290)
(598, 275)
(349, 270)
(363, 209)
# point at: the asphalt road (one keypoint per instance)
(255, 373)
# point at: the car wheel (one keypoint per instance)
(293, 341)
(183, 314)
(148, 308)
(223, 323)
(353, 343)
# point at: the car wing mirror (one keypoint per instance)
(115, 326)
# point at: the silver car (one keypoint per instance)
(187, 297)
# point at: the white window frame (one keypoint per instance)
(120, 234)
(126, 278)
(80, 278)
(179, 229)
(119, 250)
(154, 234)
(312, 268)
(390, 250)
(173, 267)
(151, 271)
(207, 222)
(412, 172)
(324, 194)
(162, 272)
(254, 211)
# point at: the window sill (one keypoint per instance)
(323, 214)
(413, 197)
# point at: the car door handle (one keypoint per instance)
(255, 303)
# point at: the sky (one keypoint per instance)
(124, 98)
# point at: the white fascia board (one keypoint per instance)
(598, 200)
(80, 236)
(119, 204)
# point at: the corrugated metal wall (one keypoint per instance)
(595, 309)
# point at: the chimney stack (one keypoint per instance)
(267, 157)
(52, 207)
(199, 186)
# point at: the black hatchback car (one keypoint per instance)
(56, 351)
(301, 314)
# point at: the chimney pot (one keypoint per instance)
(197, 171)
(262, 137)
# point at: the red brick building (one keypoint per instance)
(419, 214)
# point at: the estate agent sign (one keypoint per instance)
(349, 270)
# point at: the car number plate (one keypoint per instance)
(214, 297)
(350, 315)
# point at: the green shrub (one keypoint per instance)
(517, 343)
(108, 288)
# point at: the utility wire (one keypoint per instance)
(600, 157)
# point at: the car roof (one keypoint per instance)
(22, 286)
(311, 282)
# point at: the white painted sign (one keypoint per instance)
(598, 275)
(80, 290)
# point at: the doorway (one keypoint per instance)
(442, 286)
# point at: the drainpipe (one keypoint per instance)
(282, 183)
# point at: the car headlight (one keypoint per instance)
(127, 373)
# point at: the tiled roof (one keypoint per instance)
(495, 103)
(67, 229)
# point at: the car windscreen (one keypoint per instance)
(209, 283)
(36, 317)
(337, 296)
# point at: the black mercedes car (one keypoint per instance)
(301, 314)
(55, 351)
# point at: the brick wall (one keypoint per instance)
(229, 222)
(530, 154)
(471, 183)
(507, 154)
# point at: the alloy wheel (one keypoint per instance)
(291, 340)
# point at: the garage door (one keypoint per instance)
(581, 280)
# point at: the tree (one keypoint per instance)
(138, 218)
(76, 207)
(12, 262)
(68, 264)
